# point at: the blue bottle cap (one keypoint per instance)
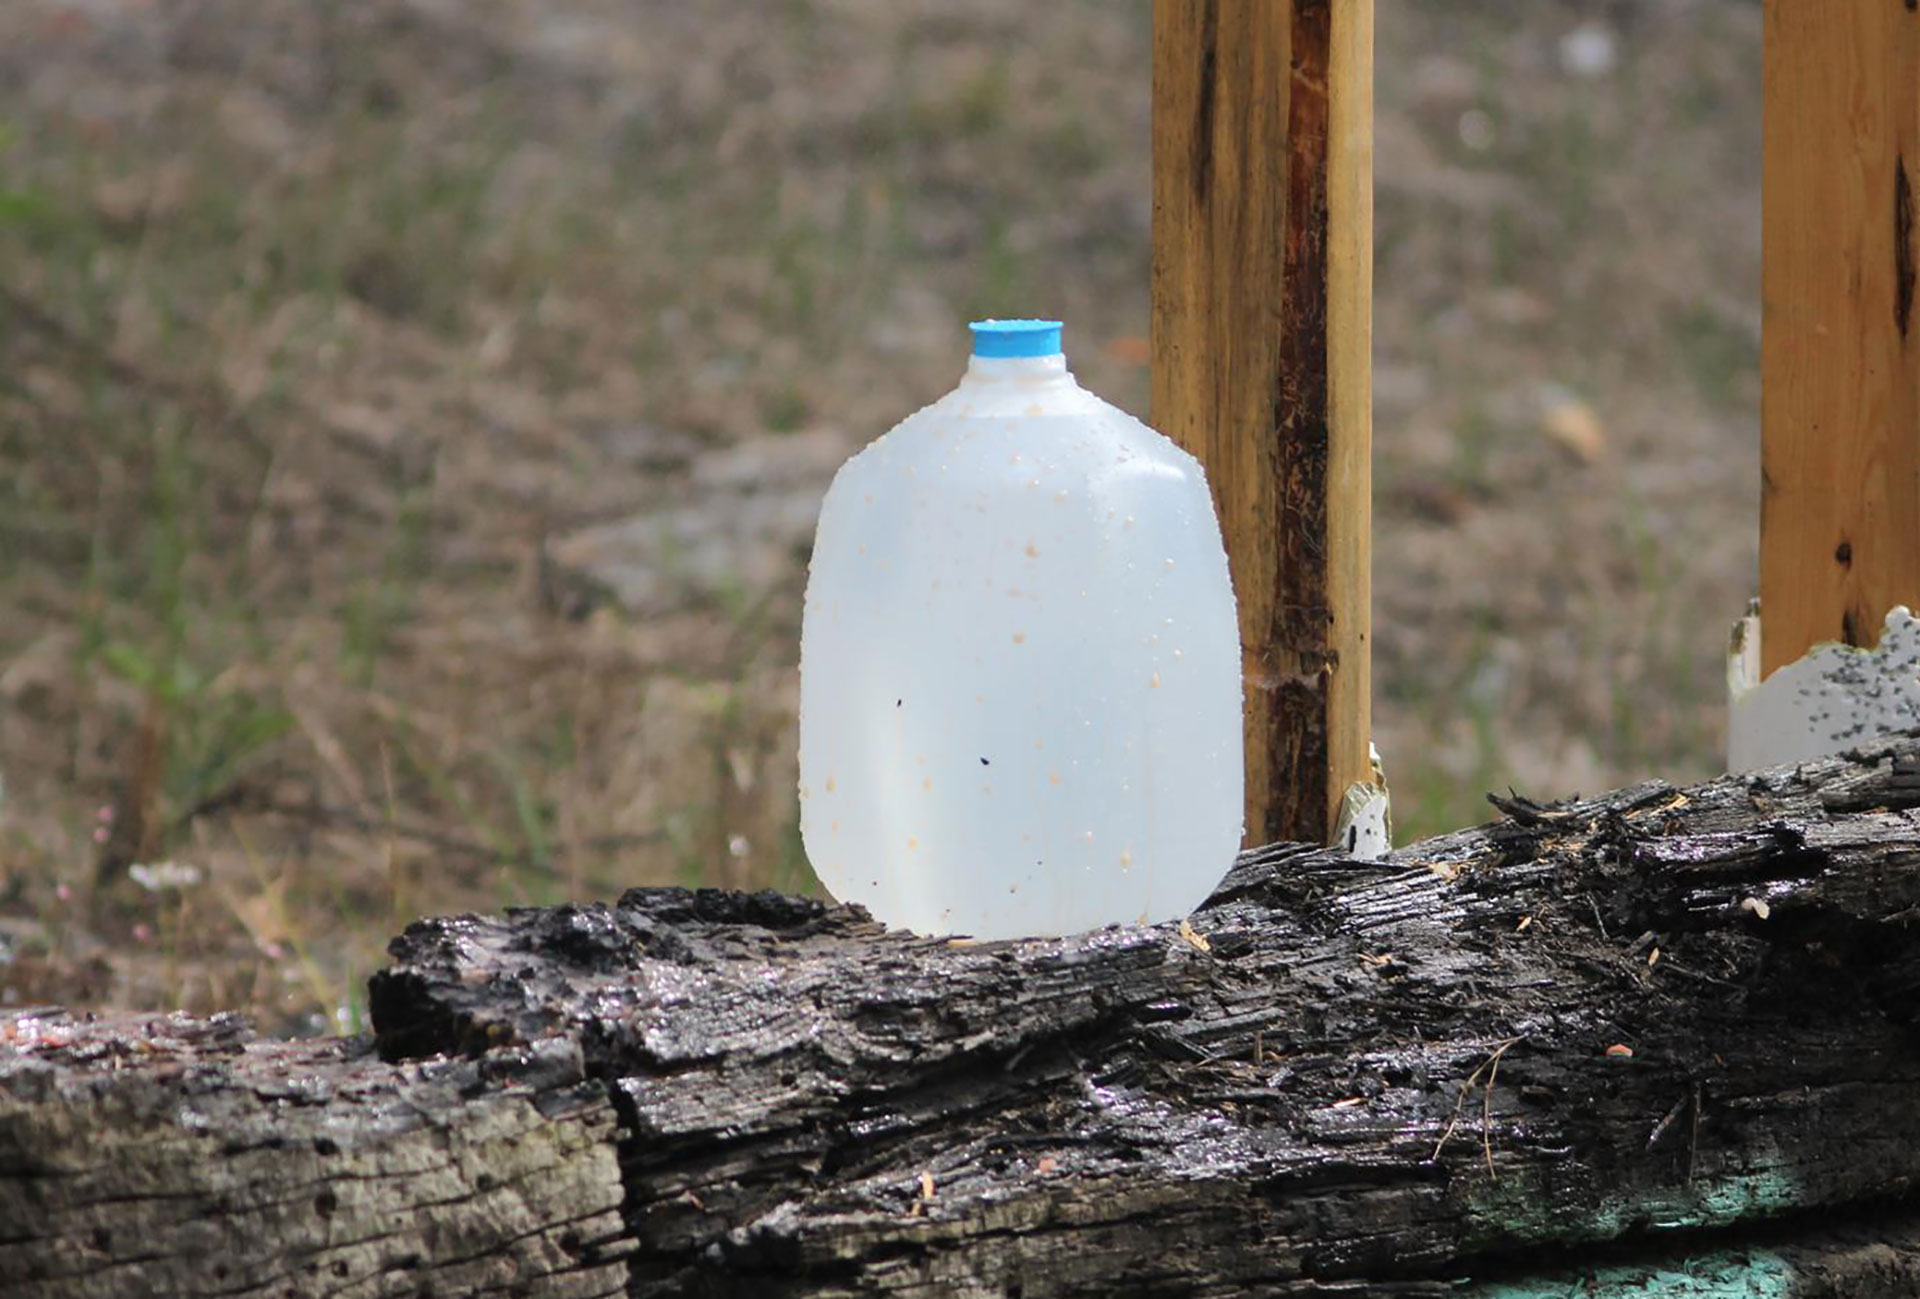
(999, 338)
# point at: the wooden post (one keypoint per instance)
(1262, 327)
(1840, 407)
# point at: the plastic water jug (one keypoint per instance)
(1020, 663)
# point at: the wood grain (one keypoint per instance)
(1840, 406)
(164, 1155)
(1262, 330)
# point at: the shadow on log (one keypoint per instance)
(1646, 1044)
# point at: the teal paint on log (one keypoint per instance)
(1731, 1200)
(1733, 1274)
(1556, 1209)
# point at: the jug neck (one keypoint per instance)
(1017, 369)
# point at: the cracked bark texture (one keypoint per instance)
(1623, 1043)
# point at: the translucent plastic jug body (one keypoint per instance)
(1020, 664)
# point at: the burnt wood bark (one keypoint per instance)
(1657, 1012)
(1631, 1041)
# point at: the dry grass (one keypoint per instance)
(320, 320)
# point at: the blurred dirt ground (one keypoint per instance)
(411, 413)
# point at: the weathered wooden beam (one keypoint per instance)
(1262, 335)
(1840, 398)
(174, 1156)
(1658, 1035)
(1647, 1016)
